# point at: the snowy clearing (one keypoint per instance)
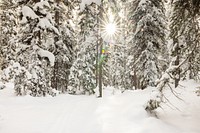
(118, 113)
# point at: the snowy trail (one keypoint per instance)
(59, 123)
(79, 117)
(118, 113)
(117, 116)
(67, 114)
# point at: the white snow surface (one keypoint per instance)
(114, 113)
(84, 2)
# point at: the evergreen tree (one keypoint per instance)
(123, 33)
(8, 36)
(63, 50)
(185, 36)
(33, 52)
(82, 73)
(148, 39)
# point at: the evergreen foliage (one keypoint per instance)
(184, 32)
(8, 35)
(35, 23)
(82, 73)
(147, 41)
(63, 49)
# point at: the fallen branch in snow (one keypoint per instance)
(174, 92)
(164, 81)
(170, 103)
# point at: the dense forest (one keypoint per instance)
(60, 46)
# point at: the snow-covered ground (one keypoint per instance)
(115, 113)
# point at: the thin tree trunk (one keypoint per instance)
(100, 71)
(177, 62)
(135, 80)
(97, 48)
(55, 84)
(100, 63)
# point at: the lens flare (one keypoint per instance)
(109, 26)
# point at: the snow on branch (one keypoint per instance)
(41, 4)
(27, 12)
(44, 23)
(49, 55)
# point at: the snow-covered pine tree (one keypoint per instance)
(123, 32)
(148, 19)
(129, 25)
(115, 66)
(185, 37)
(8, 36)
(63, 45)
(73, 38)
(36, 26)
(82, 78)
(74, 22)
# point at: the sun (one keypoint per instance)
(110, 28)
